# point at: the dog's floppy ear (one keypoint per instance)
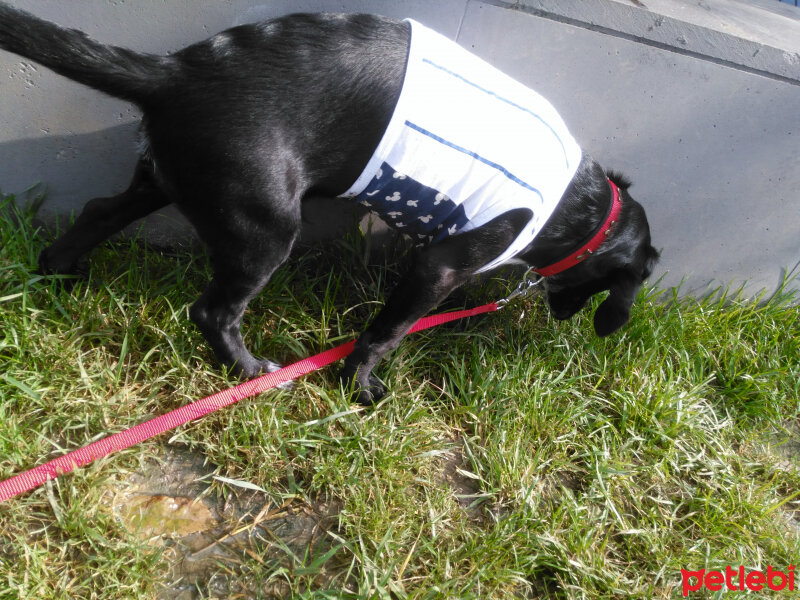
(615, 310)
(651, 258)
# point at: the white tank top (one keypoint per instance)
(466, 143)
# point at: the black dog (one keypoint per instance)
(240, 128)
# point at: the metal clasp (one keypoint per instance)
(529, 281)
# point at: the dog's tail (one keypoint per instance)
(116, 71)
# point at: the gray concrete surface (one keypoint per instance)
(697, 101)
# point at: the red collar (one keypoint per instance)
(602, 234)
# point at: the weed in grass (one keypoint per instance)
(515, 456)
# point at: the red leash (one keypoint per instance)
(125, 439)
(35, 477)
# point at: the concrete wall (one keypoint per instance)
(696, 101)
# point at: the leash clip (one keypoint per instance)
(529, 281)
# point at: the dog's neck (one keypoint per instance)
(590, 246)
(585, 213)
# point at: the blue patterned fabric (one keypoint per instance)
(411, 207)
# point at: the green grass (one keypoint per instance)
(514, 457)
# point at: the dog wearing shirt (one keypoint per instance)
(465, 144)
(239, 129)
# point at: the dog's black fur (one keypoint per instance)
(240, 128)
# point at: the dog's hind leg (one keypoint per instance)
(245, 252)
(101, 218)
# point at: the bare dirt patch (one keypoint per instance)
(207, 537)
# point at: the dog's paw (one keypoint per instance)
(261, 367)
(371, 394)
(365, 392)
(50, 263)
(267, 366)
(66, 274)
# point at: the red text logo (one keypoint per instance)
(738, 580)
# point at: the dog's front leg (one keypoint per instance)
(436, 272)
(422, 289)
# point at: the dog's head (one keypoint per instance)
(619, 266)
